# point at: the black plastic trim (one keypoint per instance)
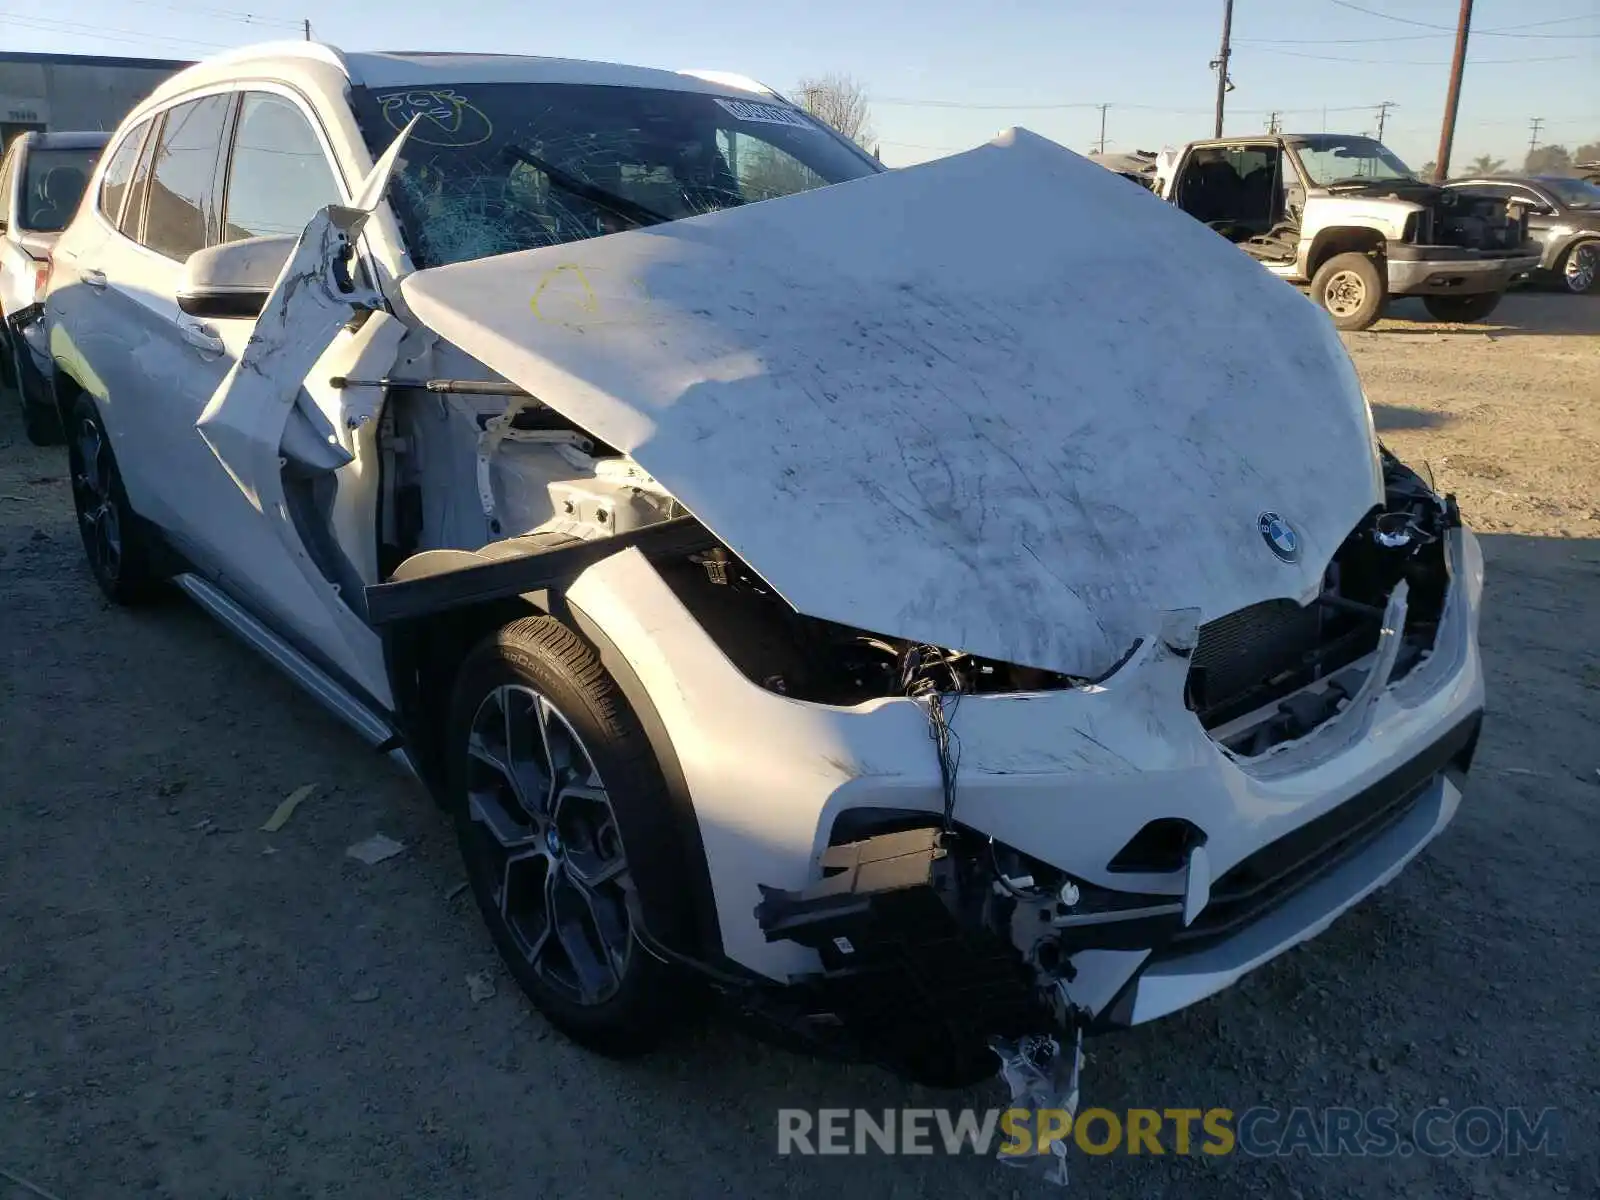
(233, 304)
(494, 579)
(697, 871)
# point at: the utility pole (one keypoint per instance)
(1533, 141)
(1272, 121)
(1447, 134)
(307, 24)
(1220, 63)
(1383, 115)
(1102, 108)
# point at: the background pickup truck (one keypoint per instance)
(1342, 215)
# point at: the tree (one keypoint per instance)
(1427, 169)
(840, 101)
(1487, 164)
(1548, 160)
(1587, 153)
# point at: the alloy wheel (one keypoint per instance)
(94, 489)
(1345, 294)
(549, 838)
(1583, 264)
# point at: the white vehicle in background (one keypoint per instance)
(875, 602)
(1341, 216)
(41, 180)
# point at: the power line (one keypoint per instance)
(108, 33)
(901, 102)
(1412, 62)
(1390, 16)
(220, 14)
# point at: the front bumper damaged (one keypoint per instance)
(910, 935)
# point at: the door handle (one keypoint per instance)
(94, 278)
(203, 338)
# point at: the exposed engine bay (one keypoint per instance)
(1451, 218)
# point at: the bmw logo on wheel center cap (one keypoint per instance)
(1280, 536)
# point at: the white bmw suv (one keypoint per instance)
(857, 592)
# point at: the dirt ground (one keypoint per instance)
(190, 1007)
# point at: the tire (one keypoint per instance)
(1352, 288)
(591, 977)
(117, 543)
(1462, 308)
(1579, 272)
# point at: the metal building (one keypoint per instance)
(73, 91)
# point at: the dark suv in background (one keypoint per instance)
(1563, 218)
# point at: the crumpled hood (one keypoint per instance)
(1000, 402)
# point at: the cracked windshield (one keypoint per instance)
(492, 168)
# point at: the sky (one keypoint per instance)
(945, 75)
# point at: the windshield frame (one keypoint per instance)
(1322, 142)
(470, 182)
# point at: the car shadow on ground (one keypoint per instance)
(1524, 311)
(1390, 417)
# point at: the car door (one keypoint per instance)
(300, 542)
(1543, 216)
(86, 336)
(157, 363)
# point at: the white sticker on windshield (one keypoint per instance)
(767, 114)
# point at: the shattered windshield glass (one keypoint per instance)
(497, 167)
(1332, 158)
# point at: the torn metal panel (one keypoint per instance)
(913, 419)
(252, 416)
(260, 411)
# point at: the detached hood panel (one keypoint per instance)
(1001, 402)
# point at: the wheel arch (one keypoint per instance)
(1343, 239)
(1579, 237)
(425, 654)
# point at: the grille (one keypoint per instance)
(1258, 654)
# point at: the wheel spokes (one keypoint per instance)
(505, 742)
(591, 845)
(552, 842)
(593, 963)
(525, 887)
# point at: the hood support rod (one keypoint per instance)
(471, 387)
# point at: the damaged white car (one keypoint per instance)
(857, 592)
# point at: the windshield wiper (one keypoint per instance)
(628, 210)
(1368, 181)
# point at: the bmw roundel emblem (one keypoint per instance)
(1279, 536)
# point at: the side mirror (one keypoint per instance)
(234, 279)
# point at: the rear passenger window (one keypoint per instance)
(280, 175)
(119, 172)
(132, 223)
(181, 205)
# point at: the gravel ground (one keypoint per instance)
(190, 1007)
